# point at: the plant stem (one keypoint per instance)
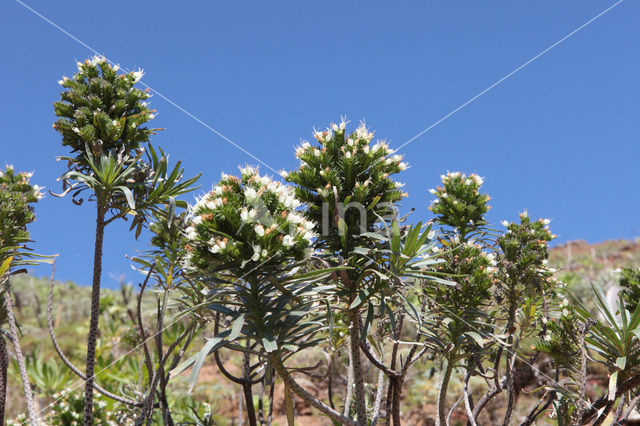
(302, 393)
(4, 362)
(442, 395)
(349, 396)
(66, 361)
(247, 388)
(358, 375)
(13, 329)
(95, 311)
(510, 363)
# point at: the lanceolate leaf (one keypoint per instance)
(236, 327)
(212, 344)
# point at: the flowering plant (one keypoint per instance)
(341, 171)
(459, 203)
(524, 257)
(101, 119)
(247, 223)
(16, 198)
(102, 108)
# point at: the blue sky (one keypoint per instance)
(559, 138)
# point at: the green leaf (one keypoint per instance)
(236, 328)
(211, 345)
(128, 195)
(395, 239)
(269, 344)
(476, 336)
(367, 322)
(361, 250)
(359, 299)
(342, 231)
(373, 235)
(329, 317)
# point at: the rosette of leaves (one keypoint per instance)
(247, 226)
(342, 175)
(612, 341)
(459, 203)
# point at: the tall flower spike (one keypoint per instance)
(459, 203)
(346, 168)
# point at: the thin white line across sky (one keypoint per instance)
(422, 132)
(49, 21)
(509, 75)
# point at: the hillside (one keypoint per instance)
(577, 261)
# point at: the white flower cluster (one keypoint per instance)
(468, 180)
(471, 180)
(493, 263)
(359, 141)
(396, 159)
(255, 194)
(93, 61)
(525, 215)
(491, 257)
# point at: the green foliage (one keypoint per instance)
(200, 415)
(630, 286)
(16, 212)
(345, 168)
(561, 335)
(460, 303)
(70, 406)
(103, 109)
(47, 375)
(458, 307)
(459, 203)
(523, 260)
(614, 336)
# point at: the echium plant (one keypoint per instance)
(346, 184)
(17, 197)
(458, 308)
(459, 203)
(102, 117)
(244, 240)
(248, 225)
(525, 286)
(577, 336)
(162, 266)
(16, 212)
